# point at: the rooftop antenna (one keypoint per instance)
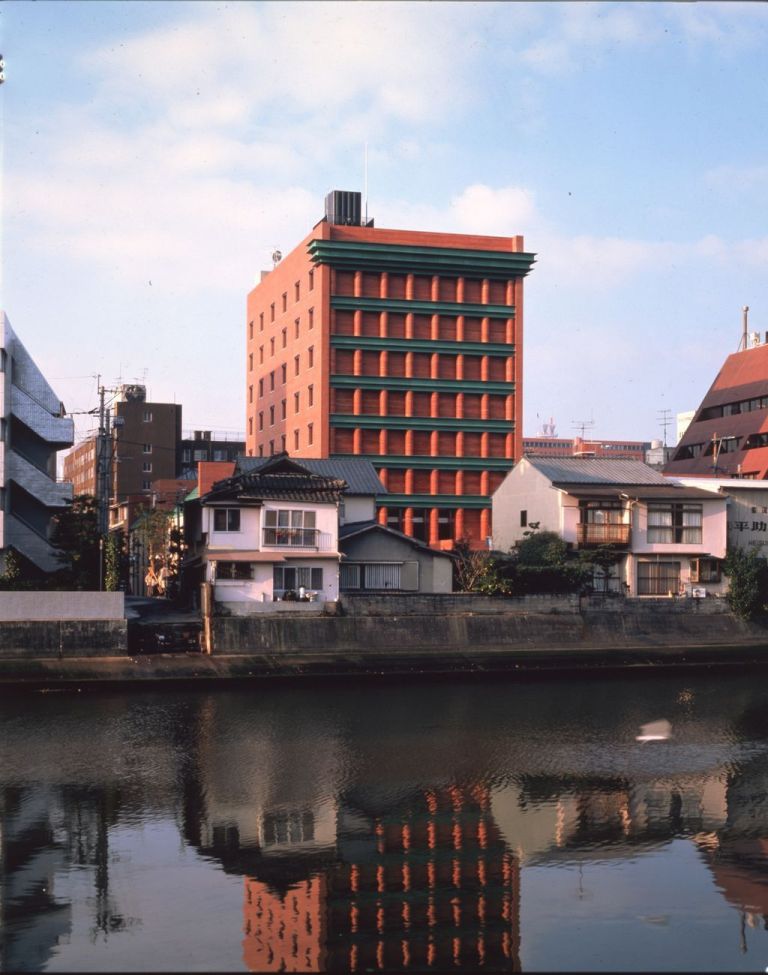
(277, 256)
(664, 421)
(365, 185)
(744, 329)
(582, 425)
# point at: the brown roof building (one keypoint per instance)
(728, 436)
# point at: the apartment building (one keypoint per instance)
(33, 428)
(403, 346)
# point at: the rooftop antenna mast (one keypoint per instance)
(582, 425)
(664, 421)
(365, 184)
(744, 329)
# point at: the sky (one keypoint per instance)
(154, 155)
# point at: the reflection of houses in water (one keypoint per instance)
(424, 884)
(550, 817)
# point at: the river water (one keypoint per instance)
(474, 825)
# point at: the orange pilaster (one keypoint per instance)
(434, 527)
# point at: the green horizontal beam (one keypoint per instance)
(420, 345)
(420, 306)
(409, 258)
(433, 501)
(398, 383)
(371, 422)
(425, 462)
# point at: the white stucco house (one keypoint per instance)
(671, 537)
(268, 536)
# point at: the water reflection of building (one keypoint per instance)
(424, 884)
(32, 920)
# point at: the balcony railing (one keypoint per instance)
(297, 538)
(592, 534)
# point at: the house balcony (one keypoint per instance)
(590, 535)
(306, 539)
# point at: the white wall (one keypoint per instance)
(25, 606)
(524, 489)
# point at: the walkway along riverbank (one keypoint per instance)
(392, 635)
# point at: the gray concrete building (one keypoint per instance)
(33, 427)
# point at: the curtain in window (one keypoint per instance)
(660, 524)
(691, 533)
(658, 578)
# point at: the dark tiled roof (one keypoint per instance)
(284, 484)
(359, 473)
(354, 528)
(577, 470)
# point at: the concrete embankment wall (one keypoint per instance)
(62, 624)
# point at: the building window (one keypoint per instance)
(146, 485)
(310, 433)
(261, 420)
(283, 374)
(186, 455)
(290, 527)
(147, 467)
(282, 409)
(250, 362)
(311, 280)
(297, 291)
(250, 426)
(261, 388)
(272, 312)
(271, 447)
(261, 321)
(296, 328)
(658, 578)
(285, 337)
(272, 346)
(282, 443)
(147, 416)
(234, 570)
(220, 455)
(250, 394)
(285, 300)
(271, 416)
(261, 354)
(311, 356)
(674, 523)
(146, 448)
(250, 330)
(226, 520)
(296, 365)
(261, 451)
(272, 380)
(311, 394)
(705, 570)
(295, 439)
(201, 455)
(290, 578)
(523, 518)
(296, 402)
(311, 317)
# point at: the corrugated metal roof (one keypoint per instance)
(359, 473)
(646, 492)
(578, 470)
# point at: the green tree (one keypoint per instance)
(541, 548)
(748, 582)
(114, 561)
(75, 536)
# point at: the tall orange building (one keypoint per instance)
(405, 346)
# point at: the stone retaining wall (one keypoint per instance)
(38, 639)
